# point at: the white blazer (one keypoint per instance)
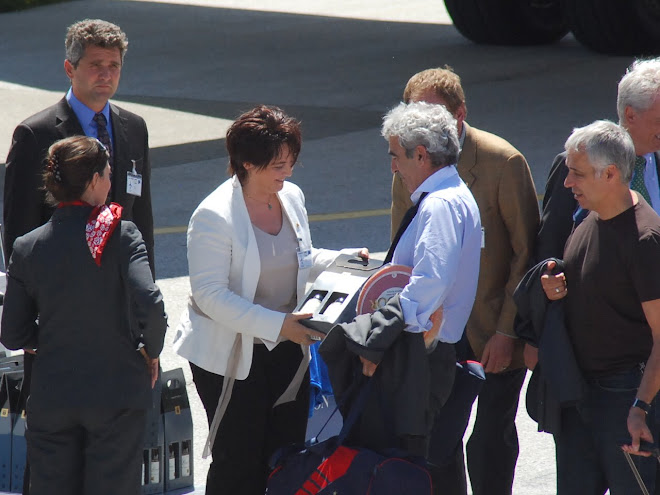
(224, 268)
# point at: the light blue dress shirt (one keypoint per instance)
(86, 116)
(442, 244)
(651, 181)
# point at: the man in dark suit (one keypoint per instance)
(95, 52)
(500, 180)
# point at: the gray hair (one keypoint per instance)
(424, 124)
(93, 32)
(639, 87)
(605, 143)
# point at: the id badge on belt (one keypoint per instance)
(304, 258)
(134, 182)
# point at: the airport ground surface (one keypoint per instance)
(338, 65)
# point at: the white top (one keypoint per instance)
(224, 268)
(276, 288)
(442, 245)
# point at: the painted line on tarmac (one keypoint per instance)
(181, 229)
(326, 217)
(318, 217)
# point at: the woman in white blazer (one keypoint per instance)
(250, 258)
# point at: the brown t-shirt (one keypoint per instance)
(612, 266)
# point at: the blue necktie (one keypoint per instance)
(102, 132)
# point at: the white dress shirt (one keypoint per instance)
(442, 244)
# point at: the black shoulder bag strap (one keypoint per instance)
(407, 218)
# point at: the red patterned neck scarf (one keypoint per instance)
(101, 224)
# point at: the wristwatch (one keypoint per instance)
(644, 406)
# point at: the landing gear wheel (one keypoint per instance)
(508, 22)
(616, 27)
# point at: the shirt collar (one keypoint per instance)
(461, 139)
(83, 112)
(649, 157)
(434, 182)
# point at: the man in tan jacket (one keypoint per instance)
(501, 182)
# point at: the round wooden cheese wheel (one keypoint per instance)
(381, 286)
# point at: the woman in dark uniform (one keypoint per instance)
(70, 284)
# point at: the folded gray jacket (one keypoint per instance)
(404, 397)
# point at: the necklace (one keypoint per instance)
(270, 206)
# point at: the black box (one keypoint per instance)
(152, 457)
(12, 421)
(11, 363)
(17, 401)
(5, 436)
(177, 419)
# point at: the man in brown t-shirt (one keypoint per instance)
(612, 289)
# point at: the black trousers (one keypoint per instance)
(85, 451)
(492, 450)
(252, 429)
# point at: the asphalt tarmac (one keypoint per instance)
(338, 65)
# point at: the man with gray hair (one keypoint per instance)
(95, 51)
(638, 109)
(498, 176)
(440, 236)
(612, 290)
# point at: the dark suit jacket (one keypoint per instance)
(25, 207)
(557, 380)
(86, 353)
(557, 214)
(502, 185)
(410, 386)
